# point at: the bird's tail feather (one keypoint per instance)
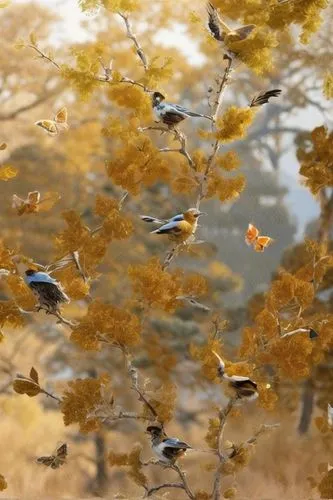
(152, 220)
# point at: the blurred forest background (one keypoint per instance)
(72, 164)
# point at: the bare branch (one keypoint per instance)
(152, 490)
(44, 56)
(132, 36)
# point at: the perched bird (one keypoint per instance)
(168, 450)
(222, 32)
(47, 289)
(171, 114)
(180, 228)
(244, 387)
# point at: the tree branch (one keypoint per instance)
(131, 36)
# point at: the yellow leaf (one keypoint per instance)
(7, 172)
(32, 38)
(22, 385)
(3, 483)
(3, 146)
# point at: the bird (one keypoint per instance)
(180, 227)
(167, 449)
(171, 114)
(48, 290)
(222, 32)
(244, 388)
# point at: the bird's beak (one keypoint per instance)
(202, 213)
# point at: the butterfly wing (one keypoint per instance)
(251, 235)
(262, 242)
(49, 126)
(47, 461)
(61, 119)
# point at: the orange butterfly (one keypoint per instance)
(56, 460)
(59, 123)
(258, 242)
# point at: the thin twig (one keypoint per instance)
(44, 56)
(51, 395)
(131, 36)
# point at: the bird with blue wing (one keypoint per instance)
(244, 388)
(48, 290)
(167, 449)
(179, 228)
(172, 114)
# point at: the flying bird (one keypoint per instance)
(168, 450)
(171, 114)
(244, 388)
(180, 227)
(222, 32)
(48, 290)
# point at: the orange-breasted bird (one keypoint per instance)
(180, 227)
(244, 388)
(168, 450)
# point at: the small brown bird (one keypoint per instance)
(180, 228)
(243, 387)
(168, 450)
(222, 32)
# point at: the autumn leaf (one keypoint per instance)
(7, 172)
(3, 483)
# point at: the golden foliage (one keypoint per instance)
(158, 288)
(292, 356)
(267, 397)
(211, 437)
(10, 314)
(163, 400)
(108, 323)
(328, 86)
(233, 124)
(164, 357)
(132, 98)
(84, 76)
(256, 50)
(3, 483)
(316, 162)
(24, 297)
(325, 486)
(6, 257)
(131, 460)
(226, 189)
(7, 172)
(205, 355)
(230, 493)
(80, 398)
(115, 225)
(137, 162)
(282, 291)
(228, 161)
(159, 70)
(74, 236)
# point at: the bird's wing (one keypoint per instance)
(183, 111)
(41, 278)
(242, 380)
(175, 443)
(214, 24)
(177, 218)
(171, 226)
(263, 97)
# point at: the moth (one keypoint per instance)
(252, 237)
(55, 126)
(56, 460)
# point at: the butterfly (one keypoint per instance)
(56, 460)
(33, 203)
(258, 242)
(59, 123)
